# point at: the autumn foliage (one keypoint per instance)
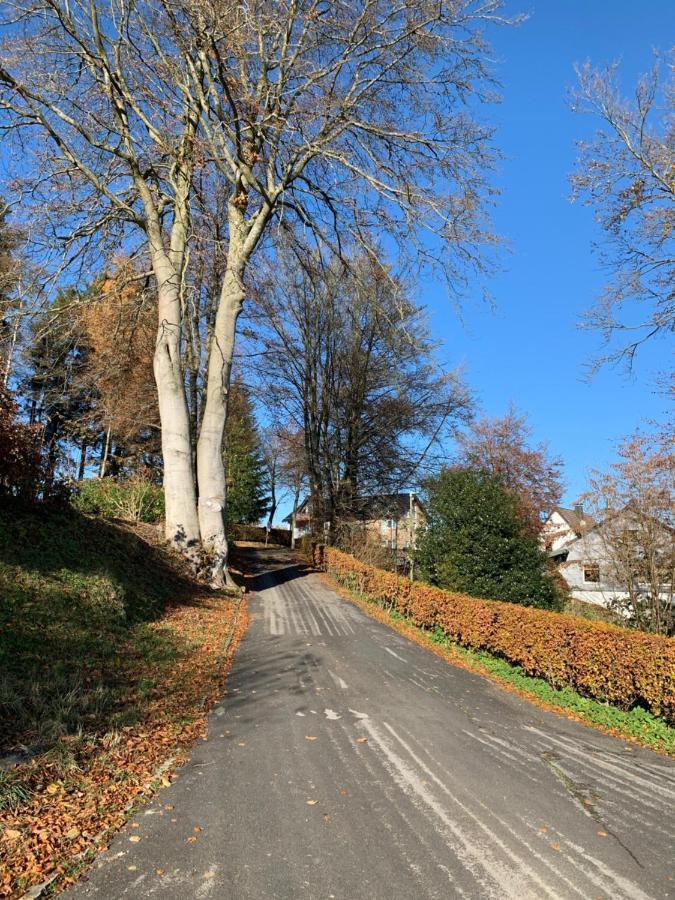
(120, 325)
(610, 664)
(21, 462)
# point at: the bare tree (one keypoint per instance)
(272, 450)
(626, 173)
(95, 94)
(348, 359)
(12, 273)
(502, 446)
(635, 505)
(292, 470)
(351, 118)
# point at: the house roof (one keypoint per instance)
(382, 506)
(578, 523)
(377, 506)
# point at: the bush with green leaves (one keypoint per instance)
(135, 499)
(475, 542)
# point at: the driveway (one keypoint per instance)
(348, 762)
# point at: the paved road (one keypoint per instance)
(347, 762)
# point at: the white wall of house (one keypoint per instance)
(556, 532)
(300, 531)
(588, 570)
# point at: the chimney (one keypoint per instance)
(579, 512)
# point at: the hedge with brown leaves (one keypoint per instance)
(605, 662)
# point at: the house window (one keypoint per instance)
(592, 573)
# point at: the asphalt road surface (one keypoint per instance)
(347, 762)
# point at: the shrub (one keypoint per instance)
(22, 464)
(135, 499)
(610, 664)
(476, 541)
(258, 533)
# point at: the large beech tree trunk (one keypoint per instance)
(210, 467)
(182, 522)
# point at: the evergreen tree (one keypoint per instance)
(477, 542)
(244, 462)
(59, 399)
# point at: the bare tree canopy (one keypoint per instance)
(627, 174)
(355, 120)
(346, 357)
(635, 502)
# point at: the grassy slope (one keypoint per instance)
(109, 662)
(76, 599)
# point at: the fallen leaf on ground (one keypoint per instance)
(309, 737)
(33, 840)
(197, 829)
(602, 834)
(131, 868)
(362, 740)
(554, 846)
(192, 840)
(159, 871)
(209, 875)
(344, 792)
(312, 802)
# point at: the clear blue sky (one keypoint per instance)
(530, 351)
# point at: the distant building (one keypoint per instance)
(392, 519)
(591, 556)
(573, 540)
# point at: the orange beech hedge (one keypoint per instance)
(608, 663)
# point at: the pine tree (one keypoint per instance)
(59, 398)
(244, 461)
(477, 542)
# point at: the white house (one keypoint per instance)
(594, 557)
(577, 544)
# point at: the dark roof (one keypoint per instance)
(381, 506)
(378, 506)
(578, 523)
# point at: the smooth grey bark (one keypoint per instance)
(210, 465)
(104, 455)
(243, 238)
(181, 520)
